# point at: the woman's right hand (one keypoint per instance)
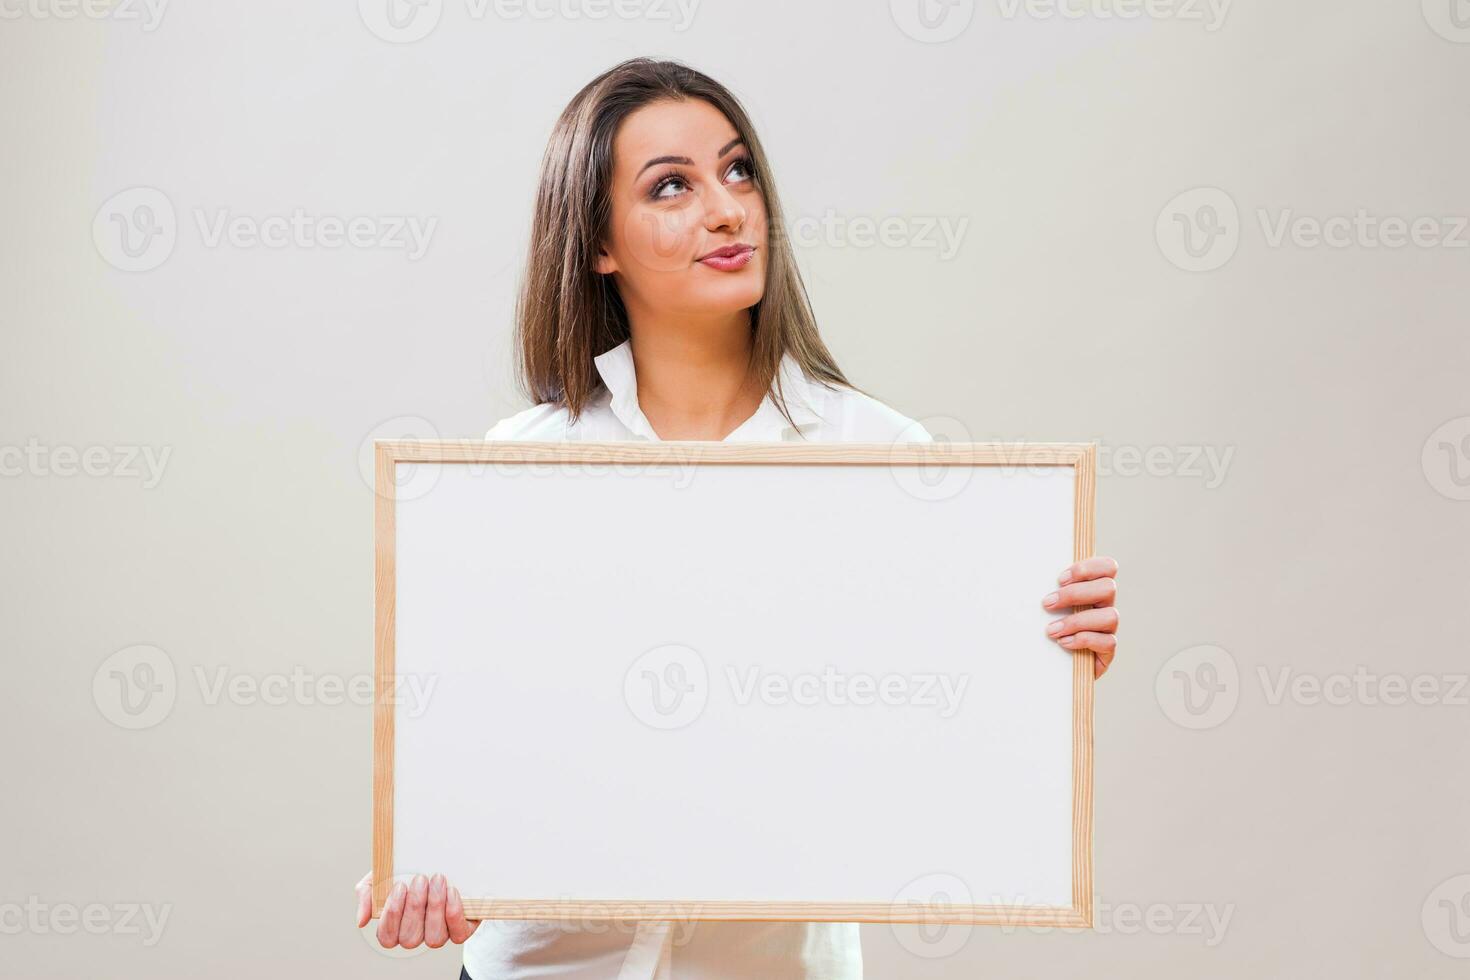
(427, 911)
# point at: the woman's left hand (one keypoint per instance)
(1089, 582)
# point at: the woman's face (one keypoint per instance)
(682, 188)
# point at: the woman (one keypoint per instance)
(662, 302)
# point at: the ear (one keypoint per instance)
(605, 264)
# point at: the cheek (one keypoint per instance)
(756, 221)
(658, 241)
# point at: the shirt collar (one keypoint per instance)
(803, 399)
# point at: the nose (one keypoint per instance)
(723, 211)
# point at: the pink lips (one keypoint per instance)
(729, 258)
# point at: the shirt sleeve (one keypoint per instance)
(914, 432)
(545, 421)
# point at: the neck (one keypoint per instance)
(693, 379)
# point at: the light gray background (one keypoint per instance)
(1330, 837)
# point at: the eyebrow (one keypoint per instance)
(685, 160)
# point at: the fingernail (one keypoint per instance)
(1051, 600)
(1065, 577)
(1055, 627)
(1067, 641)
(436, 883)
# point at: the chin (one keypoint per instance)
(730, 300)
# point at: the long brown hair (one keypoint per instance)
(568, 313)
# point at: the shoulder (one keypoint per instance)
(858, 417)
(546, 421)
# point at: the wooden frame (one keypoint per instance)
(1081, 456)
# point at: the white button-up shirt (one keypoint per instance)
(505, 949)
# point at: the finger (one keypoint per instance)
(364, 900)
(392, 916)
(1103, 620)
(460, 928)
(1095, 592)
(411, 932)
(436, 933)
(1100, 663)
(1099, 643)
(1087, 569)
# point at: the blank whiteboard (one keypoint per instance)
(754, 681)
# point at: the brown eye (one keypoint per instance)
(743, 164)
(669, 180)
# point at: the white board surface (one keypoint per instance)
(734, 683)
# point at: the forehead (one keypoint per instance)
(687, 127)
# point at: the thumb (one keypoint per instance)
(364, 900)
